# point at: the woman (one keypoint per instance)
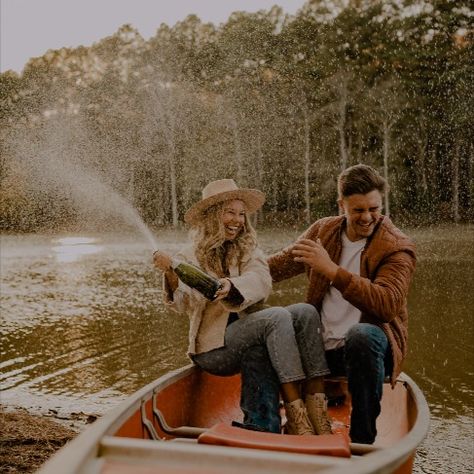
(225, 331)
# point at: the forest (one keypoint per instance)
(278, 102)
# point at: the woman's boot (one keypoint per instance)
(298, 422)
(317, 407)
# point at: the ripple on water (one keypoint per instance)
(448, 448)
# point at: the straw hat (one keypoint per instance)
(224, 190)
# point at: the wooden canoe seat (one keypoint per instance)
(226, 435)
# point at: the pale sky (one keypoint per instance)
(28, 28)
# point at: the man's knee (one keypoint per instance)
(363, 337)
(359, 333)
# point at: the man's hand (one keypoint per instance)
(315, 255)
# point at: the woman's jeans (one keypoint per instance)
(365, 360)
(270, 347)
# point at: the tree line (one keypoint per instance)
(278, 102)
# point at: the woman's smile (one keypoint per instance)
(233, 218)
(232, 231)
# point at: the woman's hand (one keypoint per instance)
(226, 285)
(162, 261)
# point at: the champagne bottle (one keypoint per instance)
(196, 278)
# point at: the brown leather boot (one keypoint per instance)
(298, 422)
(317, 407)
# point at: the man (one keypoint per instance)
(359, 267)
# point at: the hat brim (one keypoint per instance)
(253, 199)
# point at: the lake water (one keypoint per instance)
(83, 326)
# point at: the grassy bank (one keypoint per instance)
(27, 441)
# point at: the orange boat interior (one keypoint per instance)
(181, 423)
(203, 400)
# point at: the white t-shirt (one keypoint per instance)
(337, 314)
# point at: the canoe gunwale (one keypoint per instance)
(87, 444)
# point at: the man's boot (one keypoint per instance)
(298, 422)
(317, 407)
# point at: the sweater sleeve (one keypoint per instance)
(385, 296)
(254, 282)
(282, 264)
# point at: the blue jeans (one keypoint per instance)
(368, 359)
(270, 347)
(260, 391)
(365, 360)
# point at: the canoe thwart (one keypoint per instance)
(226, 435)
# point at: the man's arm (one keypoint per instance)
(315, 255)
(283, 264)
(383, 297)
(386, 295)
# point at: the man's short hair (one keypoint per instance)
(360, 179)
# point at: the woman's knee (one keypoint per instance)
(278, 311)
(276, 315)
(304, 314)
(304, 309)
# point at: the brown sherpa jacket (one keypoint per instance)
(380, 292)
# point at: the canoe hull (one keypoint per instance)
(190, 397)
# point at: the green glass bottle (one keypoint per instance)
(196, 278)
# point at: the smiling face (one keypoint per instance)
(233, 218)
(362, 212)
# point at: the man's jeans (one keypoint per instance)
(365, 360)
(260, 393)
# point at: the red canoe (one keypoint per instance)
(181, 423)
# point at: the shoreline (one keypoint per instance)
(28, 440)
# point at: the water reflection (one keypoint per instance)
(94, 329)
(83, 325)
(71, 249)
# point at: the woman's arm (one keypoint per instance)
(254, 282)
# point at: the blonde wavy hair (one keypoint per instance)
(212, 250)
